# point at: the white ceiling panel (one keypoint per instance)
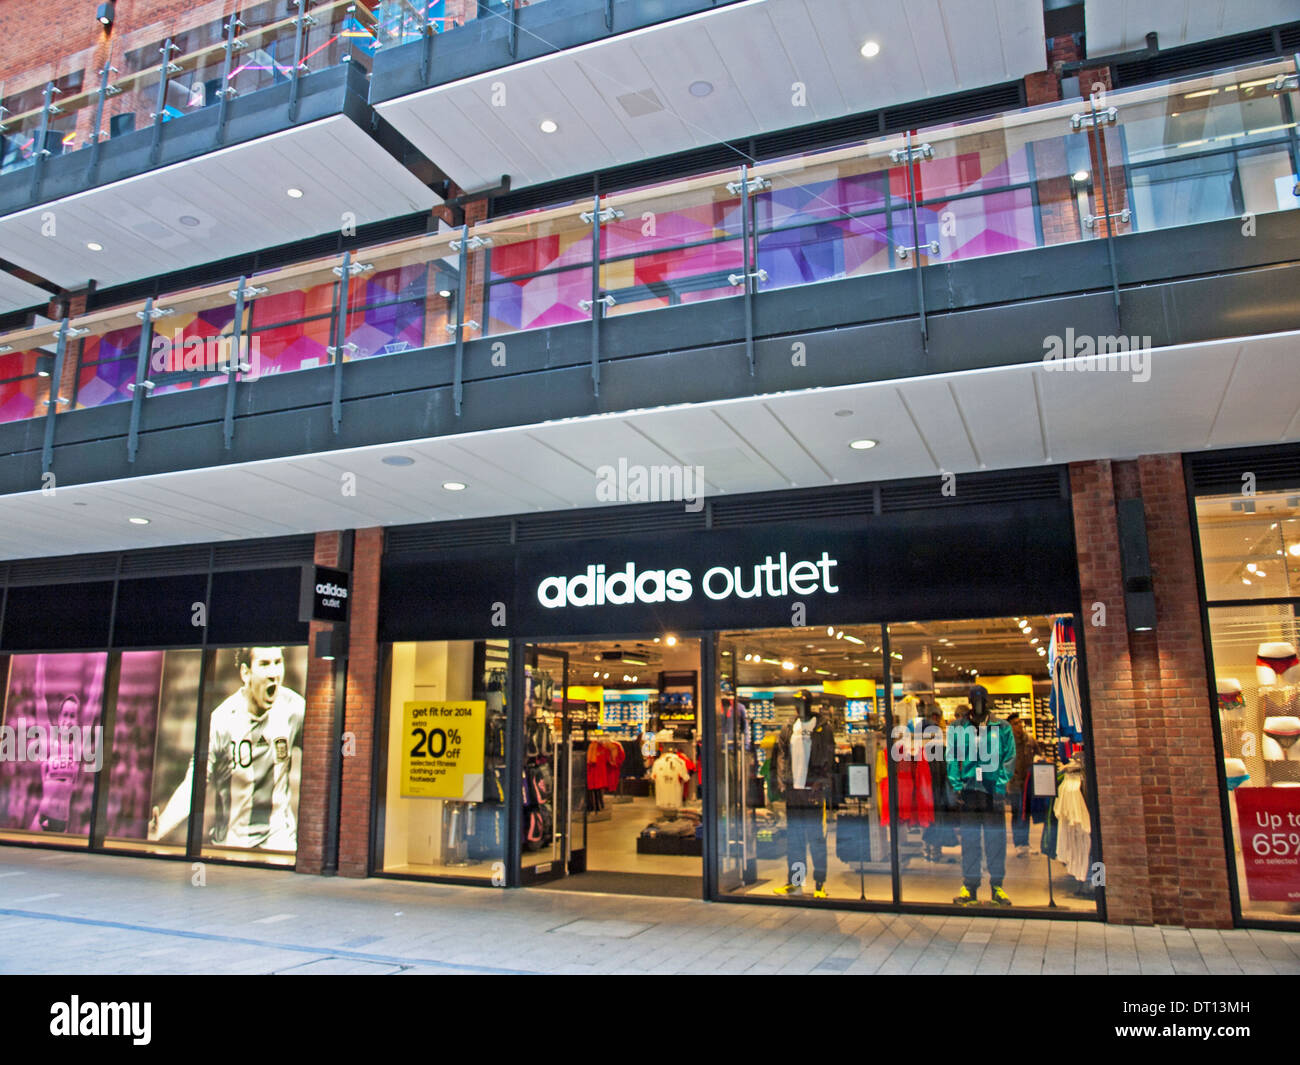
(17, 294)
(1224, 393)
(236, 196)
(1122, 25)
(752, 54)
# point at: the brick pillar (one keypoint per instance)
(1158, 801)
(359, 719)
(476, 269)
(1197, 845)
(1112, 702)
(76, 305)
(317, 736)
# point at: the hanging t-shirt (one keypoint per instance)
(669, 774)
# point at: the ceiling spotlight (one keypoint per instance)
(548, 126)
(595, 675)
(1034, 640)
(44, 365)
(671, 641)
(188, 220)
(830, 630)
(105, 13)
(453, 486)
(1245, 580)
(605, 677)
(1294, 549)
(445, 293)
(1251, 567)
(138, 521)
(293, 194)
(870, 50)
(1080, 176)
(862, 445)
(787, 665)
(397, 460)
(804, 670)
(94, 245)
(701, 88)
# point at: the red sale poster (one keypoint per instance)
(1269, 822)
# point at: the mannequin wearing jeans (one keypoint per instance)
(981, 756)
(805, 758)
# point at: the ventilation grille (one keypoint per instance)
(615, 521)
(1290, 38)
(63, 570)
(264, 554)
(1221, 471)
(972, 489)
(415, 538)
(949, 108)
(188, 559)
(839, 131)
(1196, 57)
(795, 506)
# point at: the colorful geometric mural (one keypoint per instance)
(22, 393)
(107, 367)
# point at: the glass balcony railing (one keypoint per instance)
(1215, 147)
(219, 60)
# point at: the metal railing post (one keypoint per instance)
(232, 367)
(341, 341)
(141, 384)
(55, 399)
(164, 72)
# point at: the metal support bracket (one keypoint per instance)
(751, 185)
(354, 269)
(607, 300)
(470, 243)
(1090, 221)
(607, 214)
(910, 154)
(1109, 116)
(932, 248)
(739, 279)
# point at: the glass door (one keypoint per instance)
(548, 768)
(737, 780)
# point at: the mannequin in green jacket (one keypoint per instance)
(981, 757)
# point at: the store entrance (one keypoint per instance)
(612, 767)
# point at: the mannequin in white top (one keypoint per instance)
(806, 761)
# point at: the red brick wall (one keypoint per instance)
(359, 720)
(317, 736)
(1158, 803)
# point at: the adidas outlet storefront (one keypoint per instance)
(869, 696)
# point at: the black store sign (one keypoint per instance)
(324, 594)
(961, 562)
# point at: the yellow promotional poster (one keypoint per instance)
(442, 752)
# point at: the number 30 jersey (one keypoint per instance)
(249, 763)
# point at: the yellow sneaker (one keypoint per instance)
(787, 889)
(1000, 897)
(965, 897)
(820, 893)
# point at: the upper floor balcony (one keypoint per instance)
(931, 267)
(205, 141)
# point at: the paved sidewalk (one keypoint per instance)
(63, 913)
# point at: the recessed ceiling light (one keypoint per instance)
(138, 521)
(445, 293)
(1080, 176)
(293, 194)
(862, 445)
(701, 88)
(870, 50)
(188, 220)
(453, 486)
(397, 460)
(94, 245)
(843, 413)
(548, 126)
